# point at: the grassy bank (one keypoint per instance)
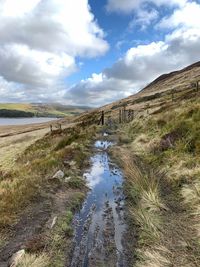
(31, 197)
(160, 157)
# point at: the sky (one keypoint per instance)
(92, 52)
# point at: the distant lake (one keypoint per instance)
(23, 121)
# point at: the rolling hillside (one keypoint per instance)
(155, 97)
(159, 92)
(157, 151)
(39, 110)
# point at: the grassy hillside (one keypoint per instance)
(40, 110)
(158, 94)
(158, 152)
(160, 157)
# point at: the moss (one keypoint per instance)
(76, 200)
(76, 183)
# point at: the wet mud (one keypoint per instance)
(100, 226)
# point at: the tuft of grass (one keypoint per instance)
(191, 193)
(66, 141)
(155, 257)
(149, 224)
(145, 203)
(34, 260)
(76, 183)
(151, 201)
(139, 176)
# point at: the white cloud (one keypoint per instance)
(17, 8)
(98, 90)
(39, 44)
(144, 18)
(188, 17)
(128, 6)
(143, 63)
(41, 39)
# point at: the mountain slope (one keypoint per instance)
(159, 92)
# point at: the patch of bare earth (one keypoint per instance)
(31, 232)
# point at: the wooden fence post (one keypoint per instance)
(172, 92)
(120, 116)
(102, 117)
(124, 114)
(132, 115)
(197, 86)
(101, 121)
(147, 106)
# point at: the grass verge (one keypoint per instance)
(162, 168)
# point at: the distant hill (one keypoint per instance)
(16, 110)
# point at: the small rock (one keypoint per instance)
(67, 179)
(58, 175)
(15, 259)
(72, 163)
(54, 221)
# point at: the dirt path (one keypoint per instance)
(100, 226)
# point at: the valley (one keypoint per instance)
(66, 202)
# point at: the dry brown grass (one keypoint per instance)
(12, 147)
(157, 256)
(147, 205)
(166, 208)
(31, 173)
(33, 260)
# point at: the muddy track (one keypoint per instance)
(100, 226)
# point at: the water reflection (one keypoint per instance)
(100, 225)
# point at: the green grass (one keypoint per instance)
(44, 109)
(76, 183)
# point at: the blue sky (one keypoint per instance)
(92, 52)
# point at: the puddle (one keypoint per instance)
(99, 226)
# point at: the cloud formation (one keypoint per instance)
(128, 6)
(41, 39)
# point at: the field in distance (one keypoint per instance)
(15, 110)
